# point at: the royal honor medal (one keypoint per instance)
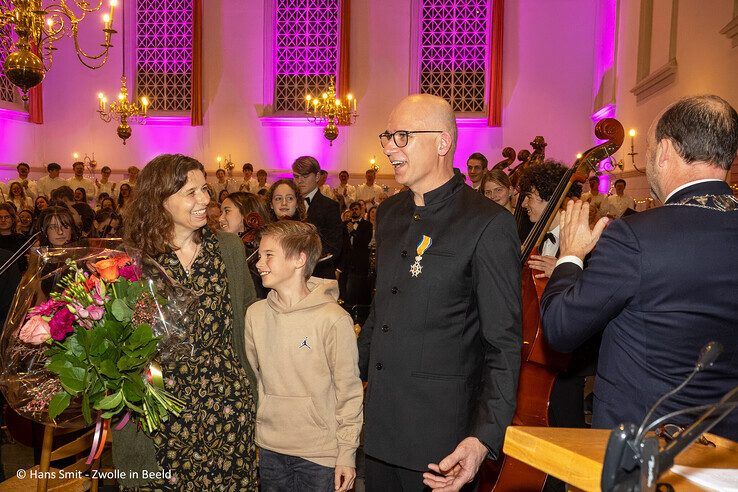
(423, 245)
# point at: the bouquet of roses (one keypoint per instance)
(91, 347)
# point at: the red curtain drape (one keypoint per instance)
(196, 96)
(36, 104)
(343, 62)
(495, 65)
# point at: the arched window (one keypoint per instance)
(457, 50)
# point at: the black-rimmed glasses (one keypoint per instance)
(401, 136)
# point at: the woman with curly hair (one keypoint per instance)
(211, 444)
(245, 214)
(285, 201)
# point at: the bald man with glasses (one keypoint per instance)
(441, 346)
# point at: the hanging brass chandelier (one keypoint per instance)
(123, 111)
(331, 111)
(37, 27)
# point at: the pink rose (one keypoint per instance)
(36, 331)
(61, 324)
(130, 272)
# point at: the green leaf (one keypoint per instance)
(126, 362)
(110, 401)
(134, 292)
(133, 391)
(58, 404)
(72, 345)
(57, 363)
(72, 379)
(108, 368)
(83, 338)
(112, 328)
(141, 336)
(144, 352)
(86, 413)
(121, 311)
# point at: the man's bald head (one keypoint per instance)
(429, 113)
(423, 156)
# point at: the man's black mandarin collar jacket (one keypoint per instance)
(441, 350)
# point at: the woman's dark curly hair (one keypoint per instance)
(545, 177)
(148, 225)
(300, 213)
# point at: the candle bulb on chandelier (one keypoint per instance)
(100, 99)
(113, 4)
(144, 104)
(307, 102)
(106, 21)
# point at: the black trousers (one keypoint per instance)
(383, 477)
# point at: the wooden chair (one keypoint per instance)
(72, 478)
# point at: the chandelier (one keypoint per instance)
(331, 111)
(123, 110)
(37, 28)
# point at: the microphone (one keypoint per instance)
(708, 354)
(629, 459)
(707, 421)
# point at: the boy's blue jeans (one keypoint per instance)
(283, 473)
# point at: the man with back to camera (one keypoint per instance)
(441, 346)
(660, 284)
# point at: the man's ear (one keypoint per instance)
(444, 143)
(665, 152)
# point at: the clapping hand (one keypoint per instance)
(577, 239)
(457, 469)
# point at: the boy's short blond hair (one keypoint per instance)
(296, 237)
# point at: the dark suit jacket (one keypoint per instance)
(441, 350)
(355, 257)
(324, 214)
(661, 284)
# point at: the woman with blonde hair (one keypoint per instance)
(211, 444)
(19, 198)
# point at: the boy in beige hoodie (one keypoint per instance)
(302, 346)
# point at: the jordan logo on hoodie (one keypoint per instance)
(305, 343)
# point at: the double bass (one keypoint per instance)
(509, 154)
(539, 363)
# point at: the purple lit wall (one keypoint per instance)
(603, 90)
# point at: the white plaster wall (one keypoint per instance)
(707, 63)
